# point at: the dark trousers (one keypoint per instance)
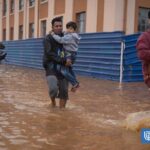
(69, 74)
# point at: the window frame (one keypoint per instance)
(21, 5)
(42, 2)
(20, 37)
(143, 19)
(11, 36)
(12, 6)
(31, 2)
(31, 34)
(41, 34)
(79, 22)
(4, 7)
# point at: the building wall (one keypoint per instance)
(21, 14)
(101, 15)
(59, 7)
(125, 15)
(43, 10)
(11, 20)
(31, 14)
(68, 14)
(91, 17)
(1, 27)
(79, 6)
(4, 22)
(114, 18)
(130, 16)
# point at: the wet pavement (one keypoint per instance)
(92, 120)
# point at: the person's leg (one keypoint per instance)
(76, 86)
(72, 73)
(69, 75)
(63, 92)
(62, 103)
(53, 88)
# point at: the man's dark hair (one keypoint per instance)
(149, 14)
(57, 19)
(71, 24)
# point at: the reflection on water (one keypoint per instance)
(91, 121)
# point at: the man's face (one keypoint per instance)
(57, 27)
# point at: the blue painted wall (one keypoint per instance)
(98, 55)
(132, 64)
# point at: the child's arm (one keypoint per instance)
(66, 39)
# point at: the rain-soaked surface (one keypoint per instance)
(91, 121)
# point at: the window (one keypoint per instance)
(143, 19)
(31, 30)
(43, 28)
(21, 32)
(31, 2)
(4, 34)
(21, 3)
(81, 22)
(4, 7)
(11, 33)
(11, 6)
(43, 1)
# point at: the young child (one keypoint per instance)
(70, 42)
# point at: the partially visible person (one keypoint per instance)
(143, 48)
(70, 42)
(2, 52)
(52, 58)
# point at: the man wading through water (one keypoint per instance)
(53, 58)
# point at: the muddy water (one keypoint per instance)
(92, 120)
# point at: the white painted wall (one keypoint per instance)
(68, 12)
(130, 16)
(91, 16)
(113, 15)
(50, 15)
(36, 13)
(26, 20)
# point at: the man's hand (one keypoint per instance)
(68, 62)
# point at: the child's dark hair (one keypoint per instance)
(71, 24)
(56, 19)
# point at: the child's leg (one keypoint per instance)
(69, 75)
(71, 55)
(72, 72)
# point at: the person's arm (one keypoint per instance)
(143, 48)
(66, 39)
(51, 55)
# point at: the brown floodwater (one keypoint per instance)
(91, 121)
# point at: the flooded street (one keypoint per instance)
(92, 120)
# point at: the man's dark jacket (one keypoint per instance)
(2, 52)
(51, 57)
